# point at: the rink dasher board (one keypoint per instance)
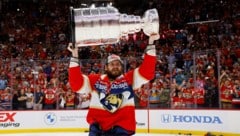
(196, 122)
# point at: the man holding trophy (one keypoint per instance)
(112, 110)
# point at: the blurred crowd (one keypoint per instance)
(198, 55)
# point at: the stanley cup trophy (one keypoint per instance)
(105, 25)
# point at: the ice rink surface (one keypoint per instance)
(74, 134)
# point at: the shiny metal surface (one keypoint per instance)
(105, 25)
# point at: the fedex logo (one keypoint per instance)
(4, 117)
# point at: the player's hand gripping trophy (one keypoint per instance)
(105, 25)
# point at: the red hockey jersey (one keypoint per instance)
(112, 104)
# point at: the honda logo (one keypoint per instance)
(166, 118)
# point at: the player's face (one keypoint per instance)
(114, 69)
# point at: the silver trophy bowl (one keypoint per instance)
(105, 25)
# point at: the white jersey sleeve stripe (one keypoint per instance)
(138, 79)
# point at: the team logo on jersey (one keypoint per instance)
(112, 102)
(112, 95)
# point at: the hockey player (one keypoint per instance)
(112, 109)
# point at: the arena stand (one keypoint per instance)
(198, 66)
(194, 59)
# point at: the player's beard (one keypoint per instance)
(113, 74)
